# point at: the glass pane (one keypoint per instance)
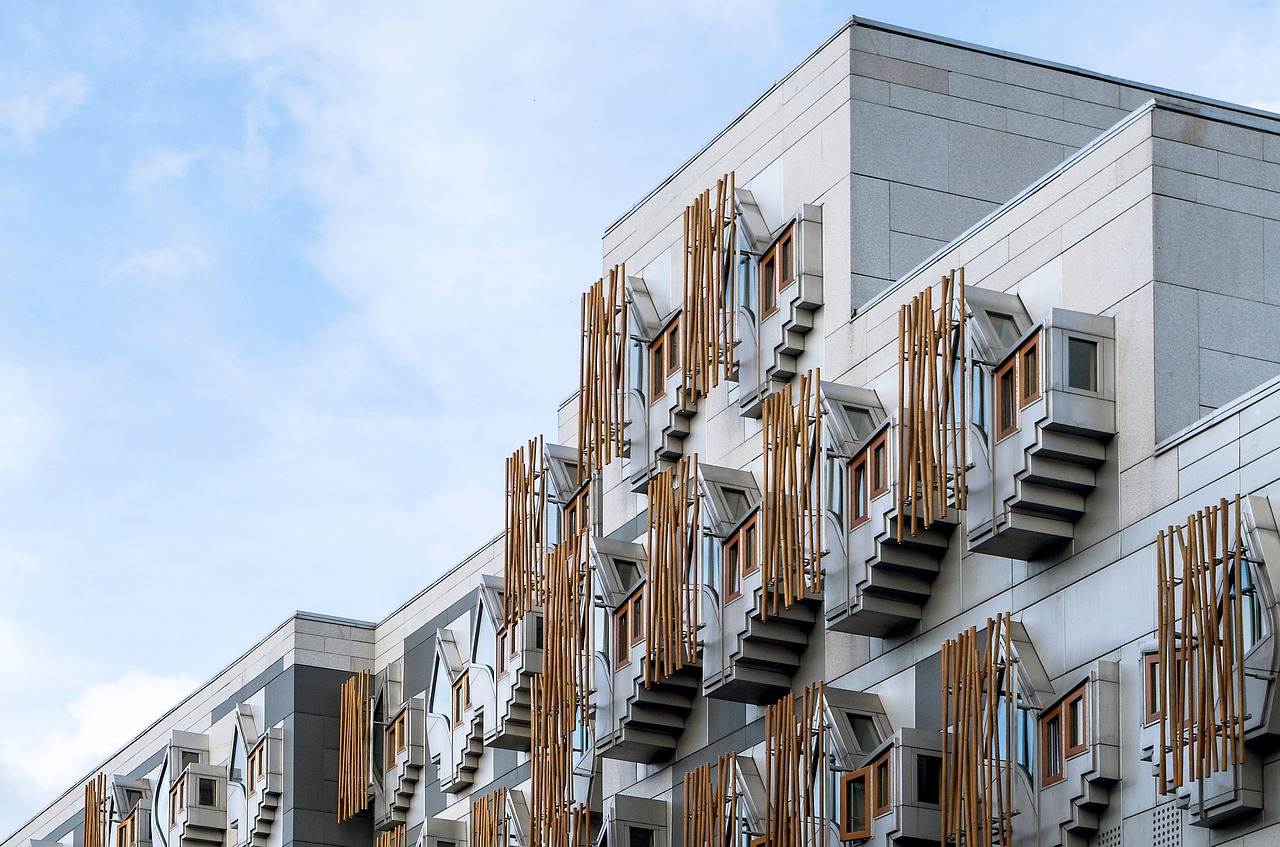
(1008, 414)
(1053, 747)
(855, 804)
(640, 837)
(787, 270)
(1075, 723)
(1030, 372)
(206, 792)
(1082, 364)
(929, 779)
(1006, 327)
(749, 554)
(860, 490)
(879, 467)
(861, 421)
(732, 563)
(865, 732)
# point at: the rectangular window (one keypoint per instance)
(176, 800)
(622, 629)
(1151, 687)
(858, 491)
(397, 738)
(125, 833)
(637, 618)
(1076, 733)
(1082, 364)
(883, 785)
(733, 568)
(880, 465)
(786, 260)
(1051, 745)
(673, 347)
(206, 790)
(257, 765)
(777, 271)
(657, 369)
(855, 805)
(639, 837)
(835, 488)
(1006, 400)
(929, 779)
(461, 698)
(1029, 371)
(769, 285)
(750, 548)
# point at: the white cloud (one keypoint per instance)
(156, 166)
(162, 263)
(95, 724)
(41, 106)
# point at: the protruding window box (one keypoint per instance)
(198, 806)
(264, 784)
(753, 649)
(518, 661)
(405, 755)
(636, 821)
(1078, 742)
(1041, 438)
(788, 298)
(880, 587)
(135, 829)
(895, 796)
(634, 720)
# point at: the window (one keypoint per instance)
(1017, 385)
(1029, 371)
(206, 792)
(396, 735)
(1063, 734)
(1151, 688)
(741, 557)
(637, 617)
(1051, 744)
(835, 488)
(978, 402)
(855, 805)
(622, 631)
(176, 800)
(126, 834)
(256, 766)
(777, 271)
(1082, 364)
(869, 477)
(929, 779)
(657, 368)
(882, 782)
(639, 837)
(461, 698)
(673, 347)
(1005, 326)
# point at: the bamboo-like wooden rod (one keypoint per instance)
(489, 827)
(791, 505)
(602, 371)
(979, 691)
(395, 837)
(670, 600)
(355, 745)
(97, 812)
(525, 541)
(1200, 645)
(709, 300)
(933, 421)
(796, 769)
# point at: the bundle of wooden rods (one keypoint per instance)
(560, 696)
(97, 812)
(488, 821)
(707, 322)
(711, 804)
(796, 748)
(355, 724)
(395, 837)
(979, 694)
(602, 371)
(791, 506)
(1200, 638)
(932, 419)
(524, 544)
(671, 602)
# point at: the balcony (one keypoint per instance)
(895, 796)
(1037, 460)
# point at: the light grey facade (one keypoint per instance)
(1122, 240)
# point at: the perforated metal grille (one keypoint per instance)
(1166, 826)
(1109, 838)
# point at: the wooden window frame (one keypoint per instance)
(878, 463)
(461, 686)
(622, 636)
(1152, 711)
(637, 616)
(672, 339)
(732, 568)
(782, 249)
(256, 766)
(847, 832)
(177, 800)
(397, 732)
(859, 502)
(657, 368)
(126, 831)
(1030, 350)
(1075, 698)
(1007, 370)
(882, 778)
(745, 541)
(1051, 728)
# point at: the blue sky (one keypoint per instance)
(281, 284)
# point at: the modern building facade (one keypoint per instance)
(916, 492)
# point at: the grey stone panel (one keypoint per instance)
(1271, 261)
(246, 691)
(907, 251)
(1235, 325)
(1201, 132)
(995, 166)
(1092, 114)
(927, 52)
(928, 684)
(1224, 376)
(309, 772)
(900, 146)
(1011, 96)
(1176, 358)
(1184, 157)
(870, 236)
(900, 72)
(933, 214)
(864, 287)
(1209, 249)
(951, 108)
(420, 647)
